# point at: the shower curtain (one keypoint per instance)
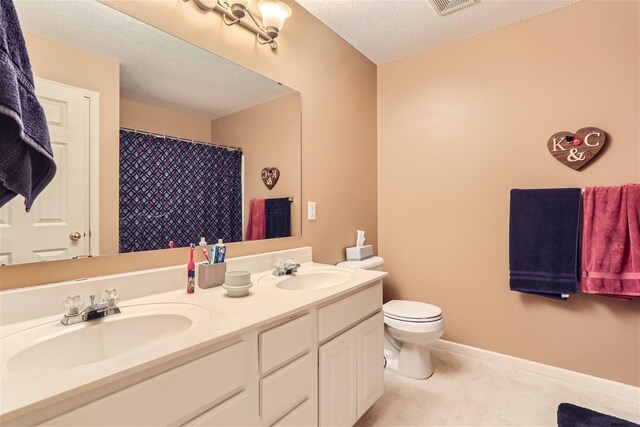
(172, 190)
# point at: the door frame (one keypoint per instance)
(93, 99)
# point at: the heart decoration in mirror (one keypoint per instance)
(576, 150)
(270, 177)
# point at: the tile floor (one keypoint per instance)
(465, 391)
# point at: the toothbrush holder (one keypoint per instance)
(211, 275)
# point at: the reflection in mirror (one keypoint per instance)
(157, 144)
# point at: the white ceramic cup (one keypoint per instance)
(237, 278)
(237, 291)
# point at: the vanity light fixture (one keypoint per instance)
(273, 14)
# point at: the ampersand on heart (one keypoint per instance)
(576, 150)
(270, 177)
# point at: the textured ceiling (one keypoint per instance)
(155, 67)
(386, 30)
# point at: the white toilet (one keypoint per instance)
(410, 327)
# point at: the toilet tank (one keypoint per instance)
(375, 263)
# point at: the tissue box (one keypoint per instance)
(358, 253)
(210, 275)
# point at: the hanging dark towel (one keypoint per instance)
(26, 162)
(543, 241)
(278, 217)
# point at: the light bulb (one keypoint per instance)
(274, 13)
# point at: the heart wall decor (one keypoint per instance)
(576, 150)
(270, 177)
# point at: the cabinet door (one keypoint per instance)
(339, 380)
(370, 362)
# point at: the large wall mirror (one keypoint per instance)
(158, 143)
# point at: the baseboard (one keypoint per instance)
(585, 380)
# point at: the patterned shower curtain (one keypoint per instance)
(176, 190)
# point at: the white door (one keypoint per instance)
(57, 227)
(339, 380)
(370, 362)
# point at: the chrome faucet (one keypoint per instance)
(287, 267)
(75, 312)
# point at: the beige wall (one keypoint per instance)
(461, 125)
(269, 135)
(151, 118)
(64, 64)
(338, 86)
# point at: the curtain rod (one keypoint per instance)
(191, 141)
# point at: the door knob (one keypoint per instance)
(75, 236)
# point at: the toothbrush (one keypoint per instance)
(206, 255)
(191, 272)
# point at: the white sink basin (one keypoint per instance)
(55, 347)
(311, 278)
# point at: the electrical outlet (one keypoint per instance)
(311, 211)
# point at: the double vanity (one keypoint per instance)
(301, 349)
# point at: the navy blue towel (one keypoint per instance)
(277, 217)
(26, 160)
(575, 416)
(543, 241)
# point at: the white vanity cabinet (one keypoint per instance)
(351, 365)
(320, 366)
(175, 396)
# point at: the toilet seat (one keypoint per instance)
(415, 327)
(412, 320)
(411, 311)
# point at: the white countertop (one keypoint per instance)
(22, 393)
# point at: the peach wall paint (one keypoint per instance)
(338, 87)
(64, 64)
(151, 118)
(269, 135)
(461, 125)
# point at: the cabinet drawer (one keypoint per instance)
(169, 398)
(285, 342)
(304, 415)
(344, 313)
(233, 412)
(286, 388)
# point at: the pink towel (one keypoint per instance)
(256, 225)
(611, 241)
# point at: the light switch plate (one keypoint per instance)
(311, 211)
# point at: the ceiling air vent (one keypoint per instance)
(444, 7)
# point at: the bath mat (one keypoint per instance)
(575, 416)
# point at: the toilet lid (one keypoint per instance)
(411, 310)
(409, 320)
